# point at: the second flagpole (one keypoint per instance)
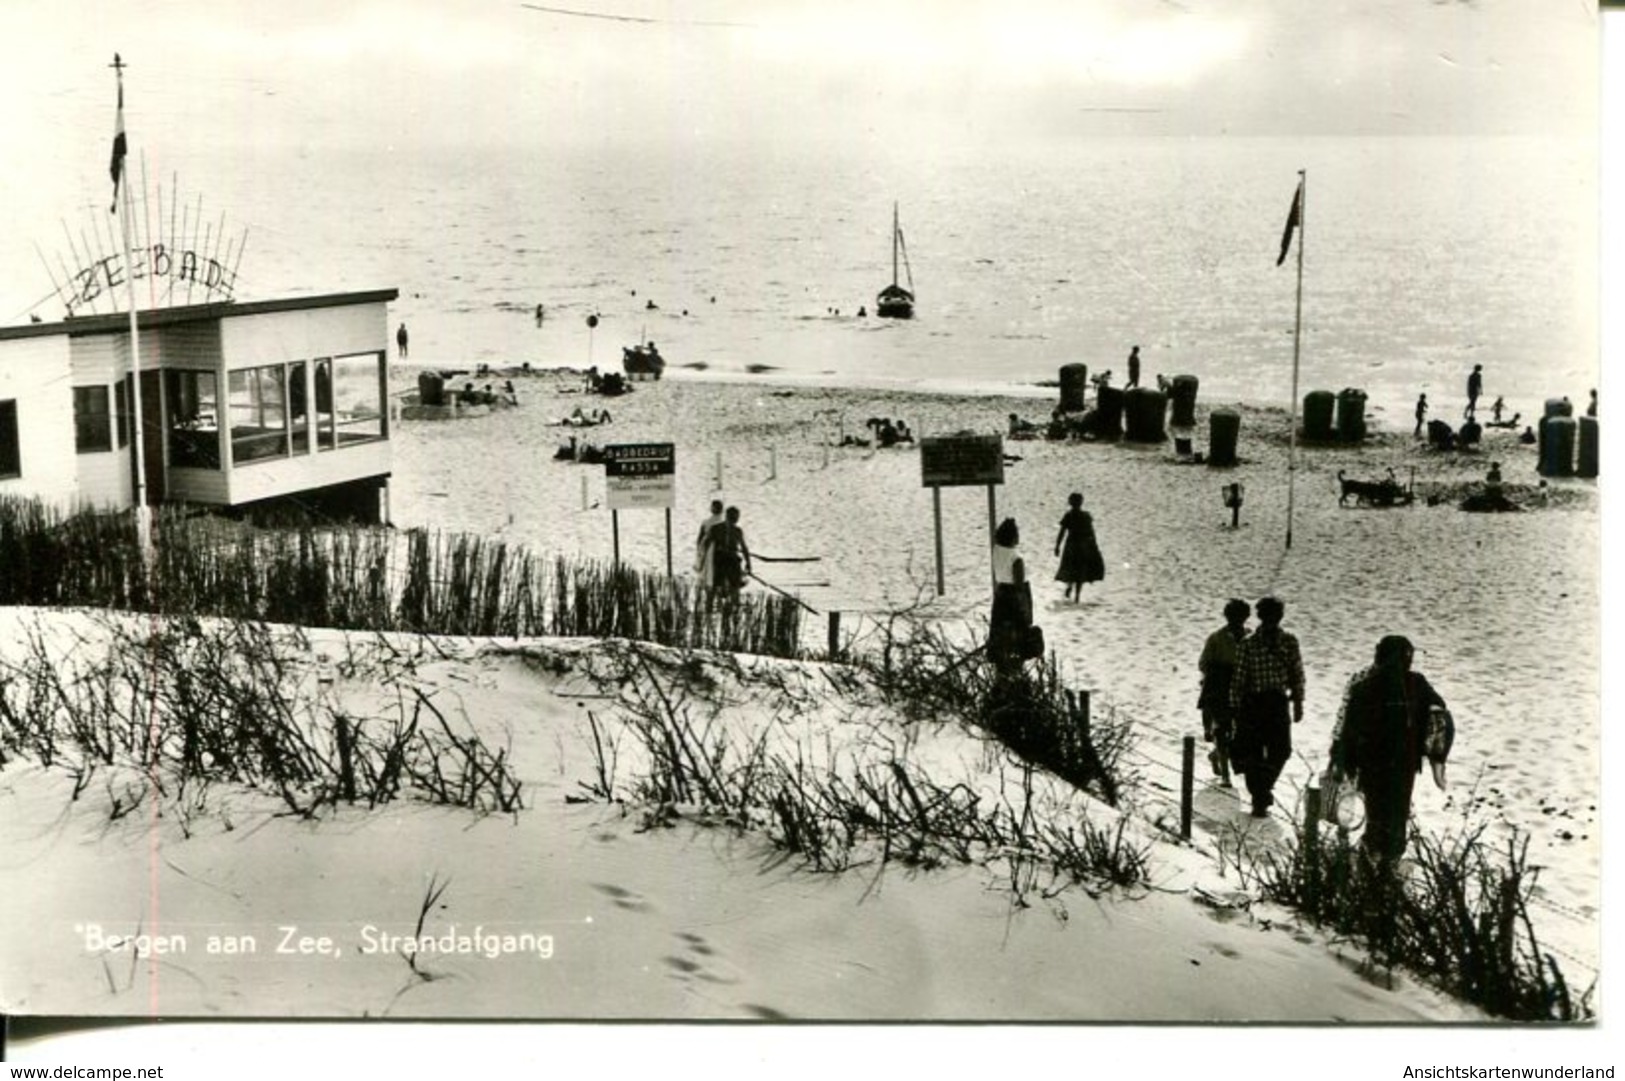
(1297, 348)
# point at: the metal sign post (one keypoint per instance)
(950, 461)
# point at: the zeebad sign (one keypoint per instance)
(89, 283)
(640, 475)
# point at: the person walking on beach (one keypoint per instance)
(1421, 414)
(1080, 559)
(702, 565)
(401, 340)
(1218, 667)
(1475, 387)
(729, 559)
(1268, 678)
(1391, 719)
(1133, 368)
(1012, 611)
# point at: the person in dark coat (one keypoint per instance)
(1081, 560)
(1390, 722)
(402, 340)
(1475, 387)
(1133, 368)
(1218, 667)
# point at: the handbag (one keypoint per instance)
(1341, 804)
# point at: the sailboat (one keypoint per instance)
(895, 302)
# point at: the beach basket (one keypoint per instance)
(1108, 422)
(1557, 446)
(1144, 410)
(1074, 382)
(1224, 430)
(1351, 415)
(1317, 415)
(1182, 396)
(1587, 466)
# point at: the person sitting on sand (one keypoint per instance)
(1081, 560)
(885, 431)
(468, 395)
(1528, 437)
(509, 395)
(903, 434)
(1020, 428)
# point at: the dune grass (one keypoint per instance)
(363, 578)
(1459, 917)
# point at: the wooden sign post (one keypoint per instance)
(636, 476)
(950, 461)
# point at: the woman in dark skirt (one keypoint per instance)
(1080, 560)
(1012, 613)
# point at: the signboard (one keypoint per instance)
(640, 475)
(948, 461)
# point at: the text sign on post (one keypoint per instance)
(640, 475)
(948, 461)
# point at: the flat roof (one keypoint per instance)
(119, 322)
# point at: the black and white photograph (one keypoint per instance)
(704, 511)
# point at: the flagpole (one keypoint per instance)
(1297, 349)
(143, 522)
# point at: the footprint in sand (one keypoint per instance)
(1222, 950)
(623, 898)
(684, 967)
(766, 1013)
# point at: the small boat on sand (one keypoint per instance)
(642, 361)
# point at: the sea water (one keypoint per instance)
(1422, 256)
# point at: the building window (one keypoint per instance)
(258, 401)
(92, 421)
(121, 409)
(11, 462)
(298, 409)
(194, 425)
(355, 400)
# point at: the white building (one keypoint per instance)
(244, 406)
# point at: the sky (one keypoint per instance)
(434, 73)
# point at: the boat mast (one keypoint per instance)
(894, 242)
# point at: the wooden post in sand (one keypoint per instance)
(834, 634)
(992, 530)
(668, 544)
(936, 524)
(615, 535)
(1187, 780)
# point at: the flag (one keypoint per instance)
(119, 147)
(1292, 222)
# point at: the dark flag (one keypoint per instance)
(1292, 221)
(119, 146)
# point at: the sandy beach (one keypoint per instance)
(1501, 606)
